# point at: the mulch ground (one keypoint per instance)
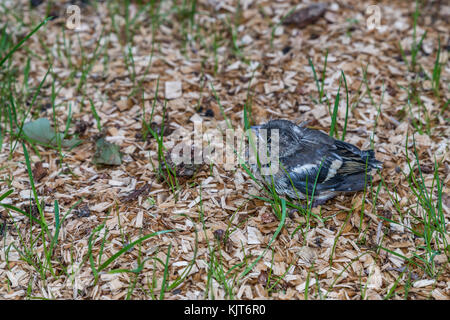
(338, 258)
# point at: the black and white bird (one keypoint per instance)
(313, 163)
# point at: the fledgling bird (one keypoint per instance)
(306, 155)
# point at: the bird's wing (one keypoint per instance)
(311, 163)
(323, 163)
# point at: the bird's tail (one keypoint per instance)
(369, 156)
(361, 156)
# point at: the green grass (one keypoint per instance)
(416, 45)
(344, 130)
(87, 64)
(427, 217)
(276, 25)
(43, 264)
(20, 43)
(47, 265)
(415, 67)
(335, 112)
(10, 114)
(165, 170)
(435, 75)
(229, 279)
(320, 84)
(216, 269)
(95, 114)
(323, 98)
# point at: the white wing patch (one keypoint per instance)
(304, 169)
(334, 167)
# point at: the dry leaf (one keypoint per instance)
(303, 17)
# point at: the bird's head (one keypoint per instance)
(282, 133)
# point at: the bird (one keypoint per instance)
(311, 164)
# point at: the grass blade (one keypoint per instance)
(28, 36)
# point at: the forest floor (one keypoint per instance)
(89, 110)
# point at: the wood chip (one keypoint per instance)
(254, 236)
(173, 90)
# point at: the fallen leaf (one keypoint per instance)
(40, 131)
(303, 17)
(107, 153)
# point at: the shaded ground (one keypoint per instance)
(389, 242)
